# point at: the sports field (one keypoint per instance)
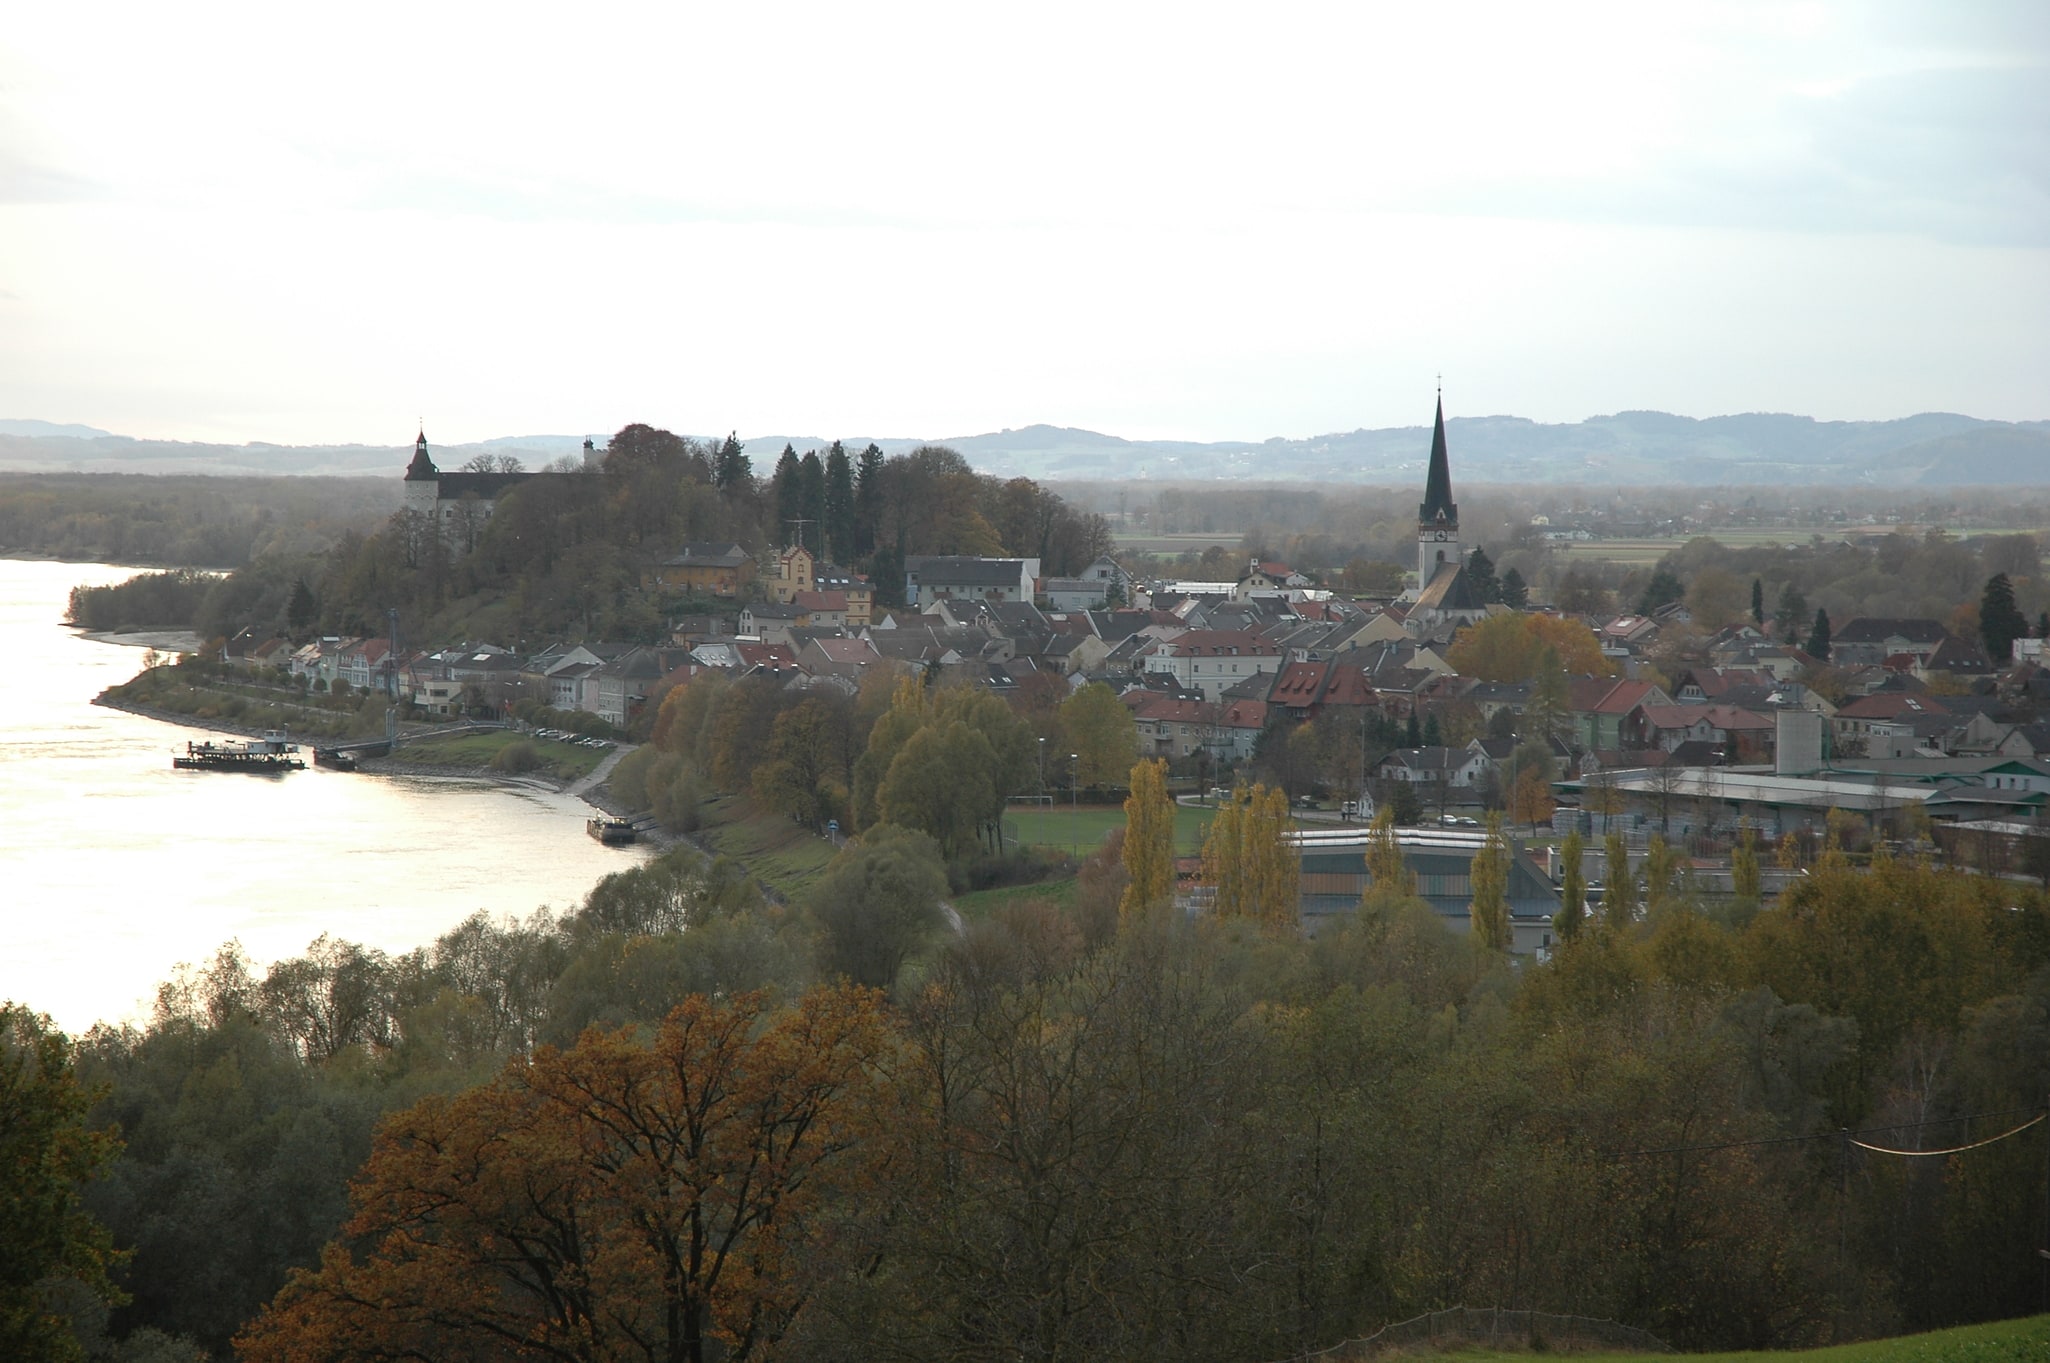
(1080, 830)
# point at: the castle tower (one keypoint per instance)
(423, 480)
(1437, 516)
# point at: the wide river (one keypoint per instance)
(114, 868)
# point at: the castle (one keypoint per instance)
(459, 504)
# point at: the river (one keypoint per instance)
(114, 868)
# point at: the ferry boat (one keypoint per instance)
(272, 752)
(612, 832)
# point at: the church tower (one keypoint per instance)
(1437, 517)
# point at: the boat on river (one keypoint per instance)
(613, 832)
(273, 752)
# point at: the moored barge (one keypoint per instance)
(612, 832)
(272, 752)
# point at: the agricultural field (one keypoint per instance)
(2008, 1341)
(1177, 543)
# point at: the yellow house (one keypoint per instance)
(713, 569)
(793, 575)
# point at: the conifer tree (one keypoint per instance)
(1758, 602)
(731, 470)
(1515, 592)
(1793, 609)
(1149, 841)
(1488, 916)
(840, 537)
(811, 502)
(1573, 889)
(1480, 576)
(1818, 637)
(868, 500)
(2001, 622)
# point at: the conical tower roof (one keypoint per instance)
(422, 467)
(1438, 508)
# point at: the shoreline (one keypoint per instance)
(167, 638)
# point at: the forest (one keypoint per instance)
(1096, 1131)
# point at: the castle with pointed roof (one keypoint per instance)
(459, 504)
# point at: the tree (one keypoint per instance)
(1619, 885)
(1793, 609)
(1403, 805)
(1515, 592)
(1099, 729)
(840, 540)
(1388, 873)
(2001, 622)
(1488, 915)
(1758, 602)
(1573, 888)
(1249, 862)
(1509, 647)
(47, 1155)
(1659, 864)
(942, 782)
(618, 1199)
(1746, 881)
(1149, 841)
(878, 903)
(1480, 575)
(1818, 637)
(1663, 590)
(731, 470)
(786, 494)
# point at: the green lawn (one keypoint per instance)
(777, 852)
(1080, 830)
(981, 903)
(2008, 1341)
(474, 752)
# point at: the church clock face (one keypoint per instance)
(1438, 535)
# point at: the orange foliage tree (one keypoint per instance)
(615, 1200)
(1506, 647)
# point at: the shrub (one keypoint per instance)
(515, 758)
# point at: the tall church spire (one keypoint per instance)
(1438, 508)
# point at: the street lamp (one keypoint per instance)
(1075, 784)
(1042, 771)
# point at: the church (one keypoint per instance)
(1444, 594)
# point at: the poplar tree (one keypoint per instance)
(1250, 862)
(1488, 916)
(1149, 841)
(1388, 871)
(1619, 888)
(1573, 893)
(1659, 863)
(1745, 879)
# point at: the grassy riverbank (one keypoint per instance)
(2008, 1341)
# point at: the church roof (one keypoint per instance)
(422, 467)
(1438, 506)
(1449, 591)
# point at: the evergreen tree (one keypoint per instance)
(1573, 888)
(1818, 637)
(1663, 589)
(868, 500)
(1480, 575)
(786, 494)
(732, 471)
(2001, 622)
(839, 512)
(1403, 805)
(1434, 734)
(2043, 625)
(1412, 733)
(1792, 612)
(1758, 602)
(1488, 915)
(1515, 593)
(811, 500)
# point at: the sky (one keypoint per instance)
(252, 222)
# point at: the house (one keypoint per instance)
(926, 579)
(1209, 661)
(1601, 704)
(1874, 640)
(1174, 726)
(1436, 767)
(822, 610)
(771, 622)
(861, 597)
(1725, 728)
(708, 570)
(793, 574)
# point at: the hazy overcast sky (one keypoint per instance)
(310, 224)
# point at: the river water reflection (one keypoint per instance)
(114, 868)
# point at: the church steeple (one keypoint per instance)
(1438, 509)
(1437, 516)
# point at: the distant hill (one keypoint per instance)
(1629, 448)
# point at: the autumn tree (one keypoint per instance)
(1660, 861)
(878, 903)
(942, 782)
(1745, 879)
(1250, 862)
(619, 1199)
(1619, 884)
(1149, 841)
(47, 1154)
(1510, 647)
(1573, 888)
(1099, 729)
(1488, 915)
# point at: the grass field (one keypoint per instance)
(777, 852)
(2008, 1341)
(981, 903)
(1080, 831)
(474, 752)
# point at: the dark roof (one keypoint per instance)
(708, 556)
(483, 486)
(422, 467)
(1878, 629)
(1438, 508)
(1449, 591)
(950, 570)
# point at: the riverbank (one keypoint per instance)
(164, 639)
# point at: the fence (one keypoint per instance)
(1491, 1325)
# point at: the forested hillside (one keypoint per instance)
(184, 521)
(1055, 1137)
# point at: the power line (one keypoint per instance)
(1850, 1135)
